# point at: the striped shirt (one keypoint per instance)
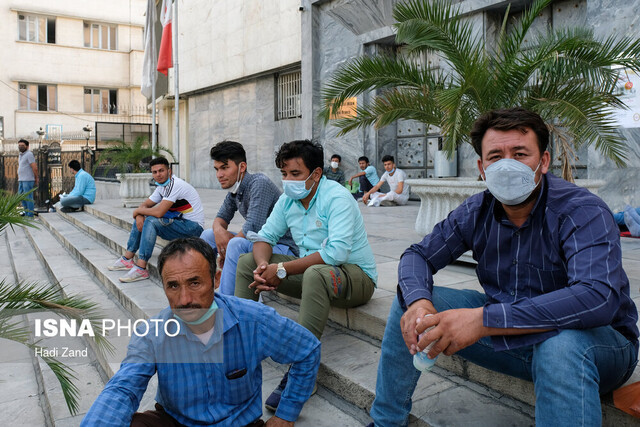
(185, 198)
(562, 269)
(218, 383)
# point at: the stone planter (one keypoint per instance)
(438, 197)
(134, 188)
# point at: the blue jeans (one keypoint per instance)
(153, 227)
(236, 247)
(74, 202)
(569, 370)
(25, 187)
(619, 217)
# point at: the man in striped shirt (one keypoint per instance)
(555, 309)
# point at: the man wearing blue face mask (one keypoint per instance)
(398, 191)
(555, 309)
(173, 210)
(336, 265)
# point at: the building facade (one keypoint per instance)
(66, 64)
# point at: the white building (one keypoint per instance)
(239, 66)
(69, 63)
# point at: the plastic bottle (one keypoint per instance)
(420, 360)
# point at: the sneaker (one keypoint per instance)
(121, 264)
(136, 273)
(68, 209)
(388, 203)
(273, 400)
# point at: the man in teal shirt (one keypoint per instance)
(336, 265)
(84, 191)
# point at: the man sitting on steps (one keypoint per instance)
(556, 308)
(173, 210)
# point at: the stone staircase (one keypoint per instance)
(75, 250)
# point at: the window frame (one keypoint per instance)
(88, 28)
(37, 22)
(37, 89)
(288, 99)
(97, 94)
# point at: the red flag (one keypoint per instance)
(165, 60)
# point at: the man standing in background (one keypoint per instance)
(27, 175)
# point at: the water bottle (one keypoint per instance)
(420, 360)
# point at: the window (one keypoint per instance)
(288, 96)
(34, 97)
(100, 36)
(33, 28)
(101, 101)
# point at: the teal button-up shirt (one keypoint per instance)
(332, 226)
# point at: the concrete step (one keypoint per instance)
(368, 320)
(20, 391)
(91, 254)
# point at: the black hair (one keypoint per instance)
(181, 246)
(75, 165)
(363, 159)
(388, 158)
(311, 154)
(337, 156)
(225, 150)
(509, 119)
(159, 161)
(24, 141)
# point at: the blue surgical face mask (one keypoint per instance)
(392, 171)
(511, 182)
(206, 316)
(164, 184)
(296, 189)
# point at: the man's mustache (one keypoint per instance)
(188, 306)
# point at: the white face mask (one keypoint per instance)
(334, 165)
(234, 189)
(510, 181)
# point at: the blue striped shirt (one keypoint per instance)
(196, 389)
(561, 270)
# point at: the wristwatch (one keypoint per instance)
(281, 272)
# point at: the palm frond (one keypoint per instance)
(9, 215)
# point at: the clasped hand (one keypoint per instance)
(264, 278)
(453, 329)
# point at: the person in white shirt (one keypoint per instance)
(399, 194)
(173, 210)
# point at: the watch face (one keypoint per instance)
(281, 273)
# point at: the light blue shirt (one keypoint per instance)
(332, 226)
(85, 186)
(371, 174)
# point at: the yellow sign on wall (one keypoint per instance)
(347, 110)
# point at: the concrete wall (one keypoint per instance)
(67, 63)
(222, 41)
(335, 31)
(245, 113)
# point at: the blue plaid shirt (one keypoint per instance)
(254, 199)
(198, 390)
(561, 270)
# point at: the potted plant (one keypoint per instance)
(132, 160)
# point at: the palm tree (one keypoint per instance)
(130, 155)
(568, 76)
(16, 300)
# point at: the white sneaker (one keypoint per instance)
(121, 264)
(135, 274)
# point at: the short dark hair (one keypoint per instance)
(181, 245)
(75, 165)
(509, 119)
(24, 141)
(225, 150)
(388, 158)
(336, 156)
(311, 154)
(159, 161)
(363, 159)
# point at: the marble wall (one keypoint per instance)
(245, 113)
(334, 31)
